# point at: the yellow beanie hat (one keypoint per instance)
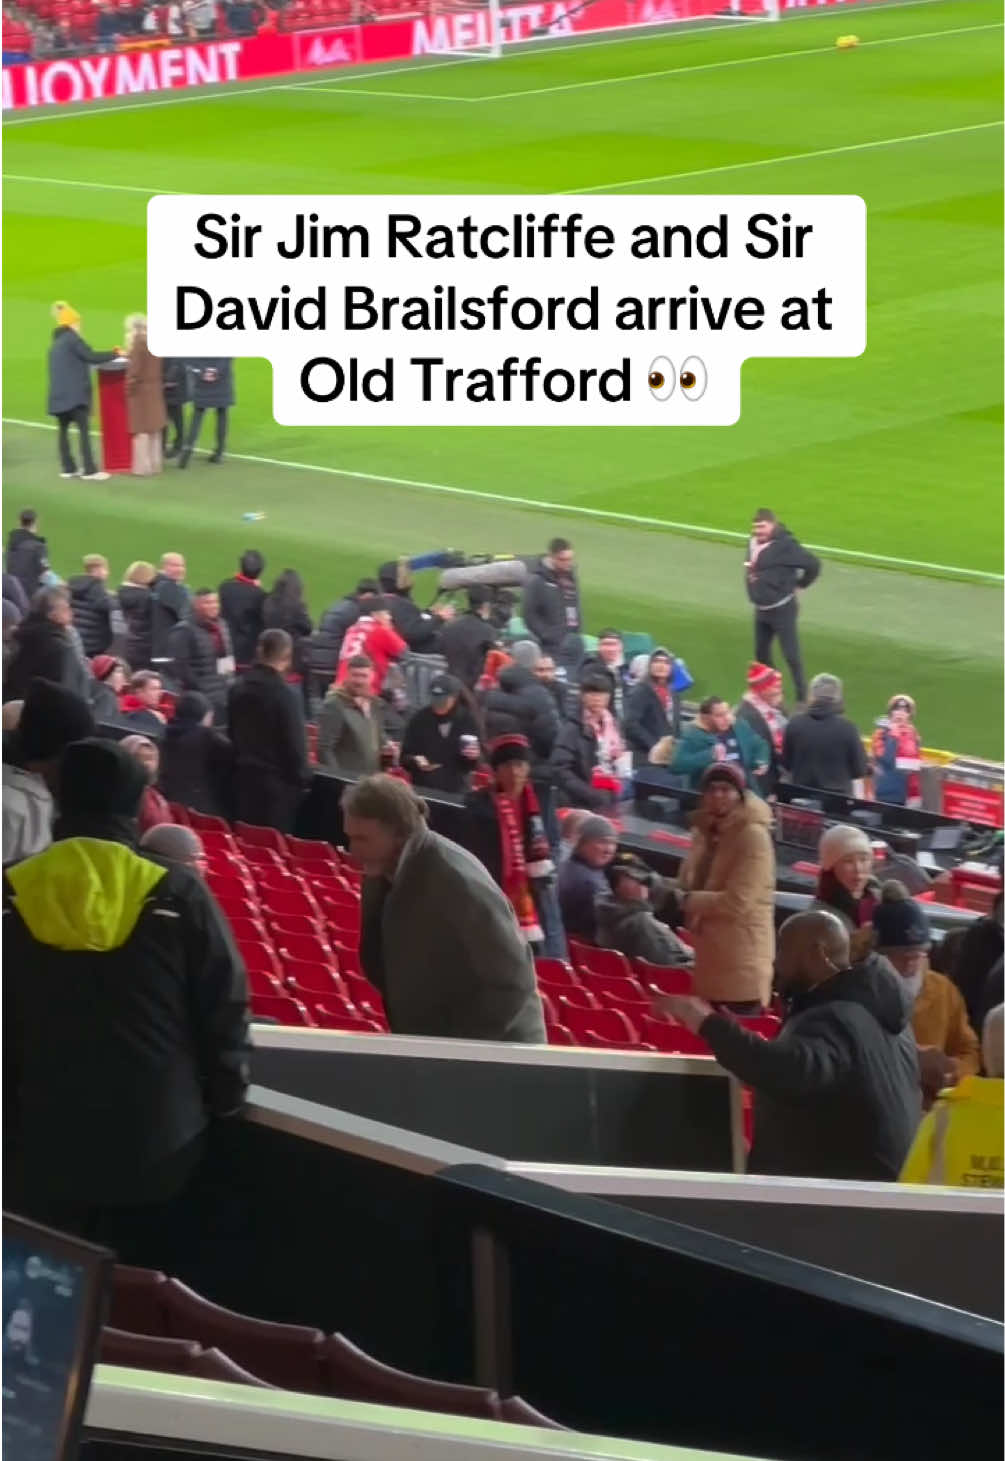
(65, 314)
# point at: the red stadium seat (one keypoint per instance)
(603, 961)
(355, 1375)
(310, 947)
(214, 841)
(261, 957)
(317, 977)
(290, 902)
(359, 1024)
(571, 1001)
(609, 1025)
(137, 1302)
(547, 1008)
(673, 1039)
(284, 1008)
(203, 823)
(308, 851)
(667, 981)
(288, 1355)
(262, 983)
(284, 923)
(245, 929)
(612, 988)
(555, 971)
(348, 959)
(260, 837)
(179, 813)
(258, 856)
(560, 1035)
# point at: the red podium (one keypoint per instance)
(116, 444)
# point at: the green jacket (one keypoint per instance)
(696, 750)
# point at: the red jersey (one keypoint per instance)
(379, 642)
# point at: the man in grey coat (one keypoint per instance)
(351, 724)
(212, 381)
(70, 392)
(439, 939)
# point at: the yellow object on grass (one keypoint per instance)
(845, 43)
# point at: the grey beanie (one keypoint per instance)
(593, 829)
(172, 842)
(826, 687)
(526, 654)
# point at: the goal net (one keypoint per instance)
(487, 27)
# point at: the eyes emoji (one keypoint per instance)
(663, 378)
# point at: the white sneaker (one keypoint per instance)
(95, 476)
(66, 475)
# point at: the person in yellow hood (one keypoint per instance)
(125, 1029)
(961, 1142)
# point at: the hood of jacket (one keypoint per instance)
(752, 810)
(825, 709)
(83, 894)
(515, 678)
(85, 586)
(616, 913)
(874, 984)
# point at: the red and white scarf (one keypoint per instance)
(525, 855)
(772, 716)
(610, 746)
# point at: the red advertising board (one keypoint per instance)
(984, 806)
(208, 63)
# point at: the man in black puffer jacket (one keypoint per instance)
(838, 1094)
(202, 654)
(325, 644)
(467, 639)
(521, 706)
(821, 747)
(92, 605)
(125, 1020)
(777, 569)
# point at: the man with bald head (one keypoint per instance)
(170, 602)
(837, 1094)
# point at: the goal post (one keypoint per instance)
(475, 28)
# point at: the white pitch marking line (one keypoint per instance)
(701, 172)
(675, 31)
(736, 61)
(150, 192)
(574, 510)
(406, 95)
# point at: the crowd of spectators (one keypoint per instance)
(217, 688)
(48, 29)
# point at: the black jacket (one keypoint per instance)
(823, 749)
(782, 566)
(767, 783)
(44, 649)
(278, 614)
(27, 559)
(635, 931)
(980, 949)
(136, 604)
(197, 765)
(559, 692)
(580, 887)
(646, 720)
(572, 763)
(70, 361)
(465, 641)
(421, 632)
(212, 381)
(175, 381)
(837, 1094)
(545, 608)
(242, 605)
(519, 705)
(326, 642)
(92, 613)
(195, 655)
(266, 726)
(125, 1021)
(170, 603)
(424, 736)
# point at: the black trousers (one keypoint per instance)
(265, 800)
(195, 426)
(79, 417)
(781, 622)
(175, 426)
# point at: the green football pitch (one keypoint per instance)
(890, 464)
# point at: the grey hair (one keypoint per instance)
(387, 800)
(826, 687)
(134, 324)
(172, 842)
(993, 1042)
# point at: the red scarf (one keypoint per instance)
(525, 855)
